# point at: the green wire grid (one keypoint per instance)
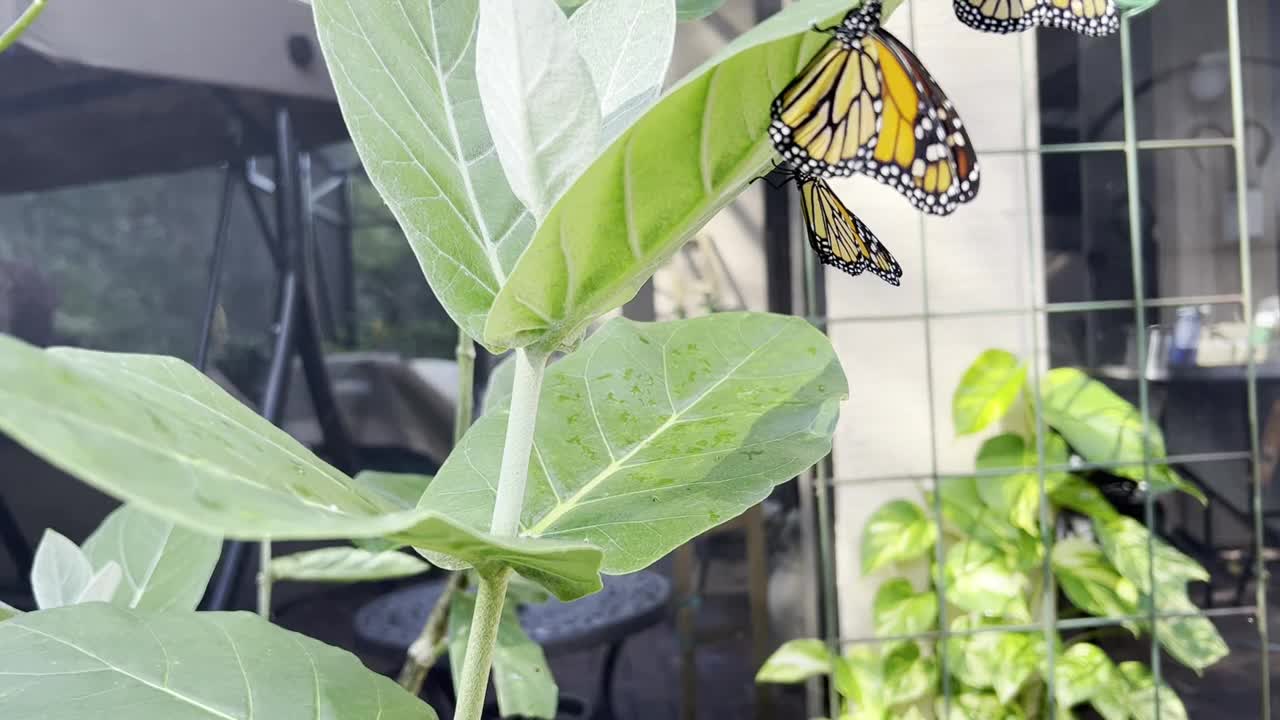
(825, 481)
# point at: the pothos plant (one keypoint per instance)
(985, 565)
(540, 175)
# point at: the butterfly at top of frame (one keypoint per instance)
(1086, 17)
(866, 104)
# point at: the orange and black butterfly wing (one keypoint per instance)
(838, 237)
(1087, 17)
(826, 120)
(923, 150)
(1095, 18)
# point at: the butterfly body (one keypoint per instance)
(1094, 18)
(865, 103)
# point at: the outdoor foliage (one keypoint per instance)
(993, 535)
(534, 202)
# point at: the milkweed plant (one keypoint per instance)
(541, 173)
(988, 579)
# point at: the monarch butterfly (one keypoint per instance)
(865, 103)
(1087, 17)
(836, 235)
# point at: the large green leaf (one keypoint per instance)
(405, 76)
(987, 391)
(627, 46)
(899, 610)
(650, 434)
(973, 657)
(897, 532)
(1020, 655)
(522, 678)
(1081, 672)
(795, 662)
(908, 674)
(1125, 541)
(62, 574)
(345, 564)
(981, 579)
(166, 566)
(688, 156)
(1076, 493)
(1105, 428)
(1090, 581)
(538, 97)
(157, 433)
(104, 661)
(964, 512)
(1191, 639)
(1142, 695)
(1015, 495)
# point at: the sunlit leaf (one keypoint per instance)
(795, 662)
(1142, 696)
(1090, 581)
(1080, 672)
(1191, 639)
(1020, 655)
(981, 579)
(650, 434)
(973, 657)
(987, 391)
(1014, 495)
(1076, 493)
(405, 75)
(899, 610)
(908, 675)
(105, 661)
(964, 512)
(897, 532)
(688, 156)
(166, 566)
(1105, 428)
(1129, 546)
(345, 564)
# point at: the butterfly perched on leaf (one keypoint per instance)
(865, 103)
(1087, 17)
(836, 235)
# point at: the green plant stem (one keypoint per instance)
(430, 645)
(465, 412)
(264, 579)
(474, 680)
(19, 26)
(525, 388)
(512, 478)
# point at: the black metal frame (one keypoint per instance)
(297, 329)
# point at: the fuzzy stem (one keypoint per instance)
(474, 680)
(525, 389)
(19, 26)
(522, 417)
(264, 579)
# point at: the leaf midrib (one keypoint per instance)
(575, 500)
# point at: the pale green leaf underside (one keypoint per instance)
(688, 156)
(538, 96)
(626, 45)
(345, 564)
(404, 72)
(155, 432)
(103, 661)
(650, 434)
(166, 566)
(60, 572)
